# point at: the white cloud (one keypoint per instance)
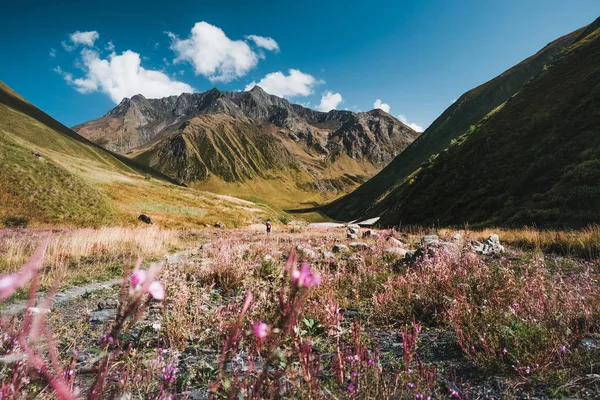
(122, 76)
(415, 127)
(110, 46)
(264, 42)
(52, 53)
(213, 54)
(382, 106)
(67, 46)
(296, 83)
(329, 101)
(84, 38)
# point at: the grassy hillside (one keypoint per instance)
(52, 176)
(467, 111)
(228, 155)
(533, 160)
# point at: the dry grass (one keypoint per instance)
(85, 255)
(580, 243)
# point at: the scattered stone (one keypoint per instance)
(352, 236)
(369, 233)
(37, 155)
(145, 219)
(350, 314)
(328, 254)
(457, 238)
(220, 225)
(207, 225)
(490, 246)
(430, 240)
(306, 252)
(394, 242)
(589, 345)
(397, 251)
(102, 316)
(359, 246)
(340, 248)
(107, 304)
(353, 230)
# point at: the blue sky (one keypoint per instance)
(416, 57)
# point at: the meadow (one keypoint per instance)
(302, 313)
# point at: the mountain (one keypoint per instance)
(534, 159)
(252, 143)
(458, 119)
(53, 176)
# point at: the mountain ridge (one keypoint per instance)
(335, 150)
(534, 159)
(456, 120)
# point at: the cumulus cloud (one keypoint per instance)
(52, 53)
(329, 101)
(84, 38)
(67, 46)
(415, 127)
(213, 54)
(122, 76)
(264, 42)
(382, 106)
(296, 83)
(110, 46)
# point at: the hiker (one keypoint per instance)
(268, 226)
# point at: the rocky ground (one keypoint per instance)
(80, 316)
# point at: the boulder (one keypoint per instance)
(340, 248)
(220, 225)
(457, 238)
(359, 246)
(396, 251)
(145, 219)
(430, 240)
(369, 233)
(103, 316)
(490, 246)
(394, 242)
(352, 236)
(353, 230)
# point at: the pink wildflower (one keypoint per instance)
(260, 330)
(562, 349)
(351, 388)
(305, 277)
(504, 351)
(138, 278)
(156, 290)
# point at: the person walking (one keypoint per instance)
(268, 226)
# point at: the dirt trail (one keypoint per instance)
(78, 291)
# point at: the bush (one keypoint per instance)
(16, 222)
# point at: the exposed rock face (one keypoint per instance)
(242, 135)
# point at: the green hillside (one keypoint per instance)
(466, 112)
(533, 160)
(52, 176)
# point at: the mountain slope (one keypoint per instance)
(233, 141)
(533, 160)
(53, 176)
(467, 111)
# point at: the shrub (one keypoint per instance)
(16, 222)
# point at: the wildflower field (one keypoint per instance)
(302, 313)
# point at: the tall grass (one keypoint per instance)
(85, 255)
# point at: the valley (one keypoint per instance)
(271, 238)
